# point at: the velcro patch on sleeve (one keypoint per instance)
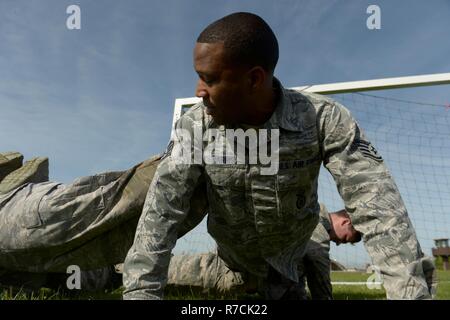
(367, 150)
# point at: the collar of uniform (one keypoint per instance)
(284, 112)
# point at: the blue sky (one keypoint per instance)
(101, 98)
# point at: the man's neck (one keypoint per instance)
(266, 106)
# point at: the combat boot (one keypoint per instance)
(33, 171)
(9, 161)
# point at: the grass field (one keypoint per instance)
(362, 292)
(340, 292)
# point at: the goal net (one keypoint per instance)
(410, 127)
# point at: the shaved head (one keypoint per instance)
(247, 38)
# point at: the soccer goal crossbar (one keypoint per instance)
(345, 87)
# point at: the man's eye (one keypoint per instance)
(208, 81)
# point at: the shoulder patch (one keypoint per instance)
(367, 149)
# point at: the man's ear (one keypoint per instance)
(346, 222)
(257, 77)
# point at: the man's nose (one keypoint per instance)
(200, 90)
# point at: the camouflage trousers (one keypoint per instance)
(46, 227)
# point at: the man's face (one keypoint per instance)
(223, 87)
(342, 230)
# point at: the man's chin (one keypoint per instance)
(217, 119)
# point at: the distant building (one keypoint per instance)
(442, 250)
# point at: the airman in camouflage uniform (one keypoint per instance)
(262, 223)
(369, 192)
